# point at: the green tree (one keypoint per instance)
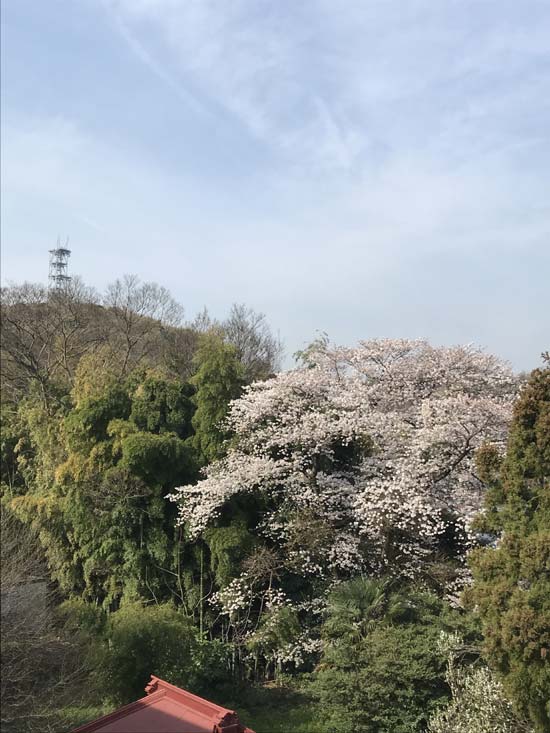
(218, 380)
(355, 607)
(10, 437)
(511, 587)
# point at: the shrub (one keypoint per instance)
(388, 684)
(382, 670)
(160, 640)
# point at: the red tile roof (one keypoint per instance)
(167, 709)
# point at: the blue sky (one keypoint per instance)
(365, 168)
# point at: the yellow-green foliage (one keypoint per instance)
(94, 481)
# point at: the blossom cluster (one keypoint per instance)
(296, 652)
(234, 597)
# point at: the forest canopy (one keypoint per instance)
(190, 504)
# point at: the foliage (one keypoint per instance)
(144, 640)
(99, 424)
(162, 405)
(156, 458)
(511, 588)
(354, 608)
(9, 439)
(81, 618)
(96, 478)
(86, 425)
(332, 497)
(249, 333)
(228, 546)
(281, 708)
(381, 670)
(72, 715)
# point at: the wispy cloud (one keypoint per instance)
(139, 49)
(327, 85)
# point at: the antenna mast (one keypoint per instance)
(59, 265)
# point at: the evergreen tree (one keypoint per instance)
(512, 580)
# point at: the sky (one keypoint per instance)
(364, 168)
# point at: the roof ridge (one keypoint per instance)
(198, 704)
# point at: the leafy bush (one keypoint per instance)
(387, 684)
(156, 458)
(145, 640)
(81, 618)
(381, 670)
(162, 405)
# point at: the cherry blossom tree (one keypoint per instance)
(361, 459)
